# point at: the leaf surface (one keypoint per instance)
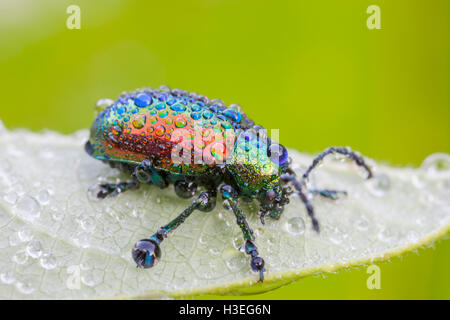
(58, 242)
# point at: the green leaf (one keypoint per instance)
(58, 242)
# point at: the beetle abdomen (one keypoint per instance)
(179, 132)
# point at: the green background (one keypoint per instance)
(309, 68)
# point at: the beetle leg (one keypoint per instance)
(300, 187)
(344, 151)
(331, 194)
(112, 189)
(257, 263)
(146, 252)
(141, 174)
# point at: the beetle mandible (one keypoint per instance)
(163, 136)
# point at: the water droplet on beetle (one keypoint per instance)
(48, 261)
(102, 104)
(27, 208)
(34, 249)
(379, 185)
(295, 226)
(7, 276)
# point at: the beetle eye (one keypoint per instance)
(277, 153)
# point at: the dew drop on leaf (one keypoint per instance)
(25, 286)
(295, 226)
(48, 261)
(7, 276)
(34, 249)
(10, 197)
(379, 185)
(43, 196)
(21, 257)
(27, 208)
(436, 165)
(25, 234)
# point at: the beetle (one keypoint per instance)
(163, 137)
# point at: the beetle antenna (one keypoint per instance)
(300, 187)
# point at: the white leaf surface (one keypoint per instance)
(57, 242)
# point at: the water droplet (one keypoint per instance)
(379, 185)
(25, 234)
(56, 214)
(82, 240)
(362, 224)
(214, 251)
(236, 262)
(27, 208)
(8, 276)
(386, 235)
(335, 237)
(25, 287)
(43, 196)
(93, 191)
(87, 224)
(48, 261)
(137, 213)
(139, 121)
(226, 204)
(90, 278)
(10, 197)
(418, 181)
(295, 226)
(413, 236)
(436, 165)
(34, 249)
(20, 257)
(102, 104)
(238, 243)
(19, 189)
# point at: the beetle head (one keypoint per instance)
(256, 165)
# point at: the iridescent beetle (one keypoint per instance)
(147, 132)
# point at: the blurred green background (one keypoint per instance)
(310, 68)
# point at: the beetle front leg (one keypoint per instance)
(257, 263)
(146, 252)
(331, 194)
(112, 189)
